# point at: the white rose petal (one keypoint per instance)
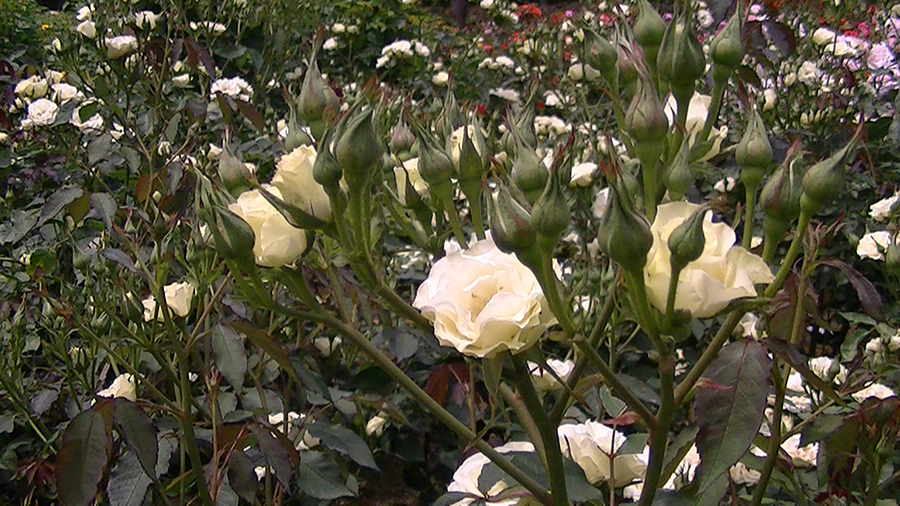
(294, 177)
(87, 28)
(41, 112)
(543, 380)
(467, 475)
(591, 445)
(881, 210)
(178, 297)
(122, 386)
(874, 244)
(583, 174)
(698, 109)
(117, 47)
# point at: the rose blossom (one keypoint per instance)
(276, 242)
(483, 301)
(874, 244)
(294, 177)
(408, 175)
(122, 386)
(41, 112)
(467, 475)
(591, 444)
(117, 47)
(881, 210)
(698, 109)
(724, 272)
(543, 380)
(178, 298)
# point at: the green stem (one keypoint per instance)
(525, 420)
(318, 314)
(774, 441)
(718, 92)
(748, 219)
(793, 251)
(444, 193)
(550, 285)
(645, 314)
(613, 381)
(670, 298)
(659, 435)
(562, 402)
(548, 434)
(187, 427)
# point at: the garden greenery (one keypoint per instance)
(270, 252)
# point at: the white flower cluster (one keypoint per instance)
(498, 63)
(401, 49)
(234, 87)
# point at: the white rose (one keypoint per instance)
(770, 98)
(543, 380)
(178, 297)
(276, 242)
(876, 390)
(592, 445)
(85, 12)
(698, 110)
(809, 74)
(87, 28)
(33, 87)
(880, 56)
(881, 210)
(338, 28)
(583, 174)
(122, 386)
(117, 47)
(874, 244)
(211, 26)
(330, 44)
(466, 477)
(483, 301)
(743, 475)
(828, 369)
(326, 345)
(294, 177)
(63, 92)
(41, 112)
(723, 273)
(182, 80)
(375, 426)
(823, 36)
(92, 124)
(802, 456)
(234, 87)
(409, 172)
(146, 19)
(440, 79)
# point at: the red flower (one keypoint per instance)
(480, 109)
(557, 18)
(504, 46)
(529, 10)
(488, 48)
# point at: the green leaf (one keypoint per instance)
(578, 487)
(311, 380)
(265, 342)
(6, 422)
(713, 494)
(820, 428)
(493, 369)
(277, 456)
(119, 257)
(730, 413)
(242, 476)
(19, 224)
(57, 202)
(669, 498)
(106, 208)
(139, 433)
(345, 442)
(251, 113)
(451, 498)
(231, 357)
(172, 127)
(320, 477)
(82, 458)
(792, 355)
(128, 482)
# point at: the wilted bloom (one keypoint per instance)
(483, 301)
(117, 47)
(724, 272)
(327, 345)
(122, 386)
(178, 297)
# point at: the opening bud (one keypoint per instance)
(471, 164)
(317, 100)
(510, 223)
(435, 166)
(296, 136)
(627, 70)
(402, 138)
(780, 197)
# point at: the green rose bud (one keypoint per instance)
(687, 241)
(402, 138)
(600, 54)
(624, 234)
(434, 164)
(627, 70)
(754, 149)
(645, 119)
(471, 164)
(317, 100)
(680, 61)
(296, 137)
(648, 30)
(232, 171)
(822, 183)
(727, 48)
(232, 236)
(678, 178)
(550, 215)
(529, 173)
(359, 151)
(510, 223)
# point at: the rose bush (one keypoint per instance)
(723, 273)
(483, 301)
(276, 242)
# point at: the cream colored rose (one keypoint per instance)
(483, 301)
(543, 380)
(294, 178)
(874, 244)
(881, 210)
(122, 386)
(87, 28)
(375, 426)
(466, 478)
(723, 273)
(593, 446)
(178, 298)
(583, 174)
(277, 243)
(409, 172)
(698, 109)
(41, 112)
(117, 47)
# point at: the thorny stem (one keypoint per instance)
(525, 420)
(318, 314)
